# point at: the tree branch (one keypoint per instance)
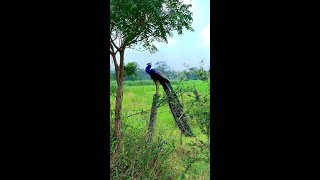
(136, 49)
(111, 41)
(116, 67)
(135, 41)
(111, 49)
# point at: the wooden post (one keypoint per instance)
(153, 116)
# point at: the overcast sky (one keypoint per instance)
(189, 48)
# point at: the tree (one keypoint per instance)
(138, 24)
(142, 74)
(162, 66)
(131, 70)
(193, 73)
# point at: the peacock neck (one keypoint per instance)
(148, 69)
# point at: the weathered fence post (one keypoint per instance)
(153, 116)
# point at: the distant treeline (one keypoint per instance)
(141, 82)
(140, 74)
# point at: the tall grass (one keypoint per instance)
(140, 158)
(164, 157)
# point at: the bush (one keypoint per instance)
(140, 159)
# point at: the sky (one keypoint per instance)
(186, 49)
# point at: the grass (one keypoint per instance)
(137, 97)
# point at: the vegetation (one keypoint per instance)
(137, 24)
(165, 157)
(131, 70)
(140, 23)
(140, 74)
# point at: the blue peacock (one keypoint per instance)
(174, 104)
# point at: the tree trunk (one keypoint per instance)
(118, 109)
(119, 98)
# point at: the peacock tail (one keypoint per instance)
(177, 109)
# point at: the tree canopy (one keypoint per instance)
(131, 70)
(142, 22)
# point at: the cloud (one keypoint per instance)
(205, 36)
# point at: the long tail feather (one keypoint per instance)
(176, 109)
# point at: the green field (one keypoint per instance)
(136, 107)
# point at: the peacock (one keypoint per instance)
(174, 104)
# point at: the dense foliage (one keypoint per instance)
(131, 70)
(140, 23)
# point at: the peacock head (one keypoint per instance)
(149, 64)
